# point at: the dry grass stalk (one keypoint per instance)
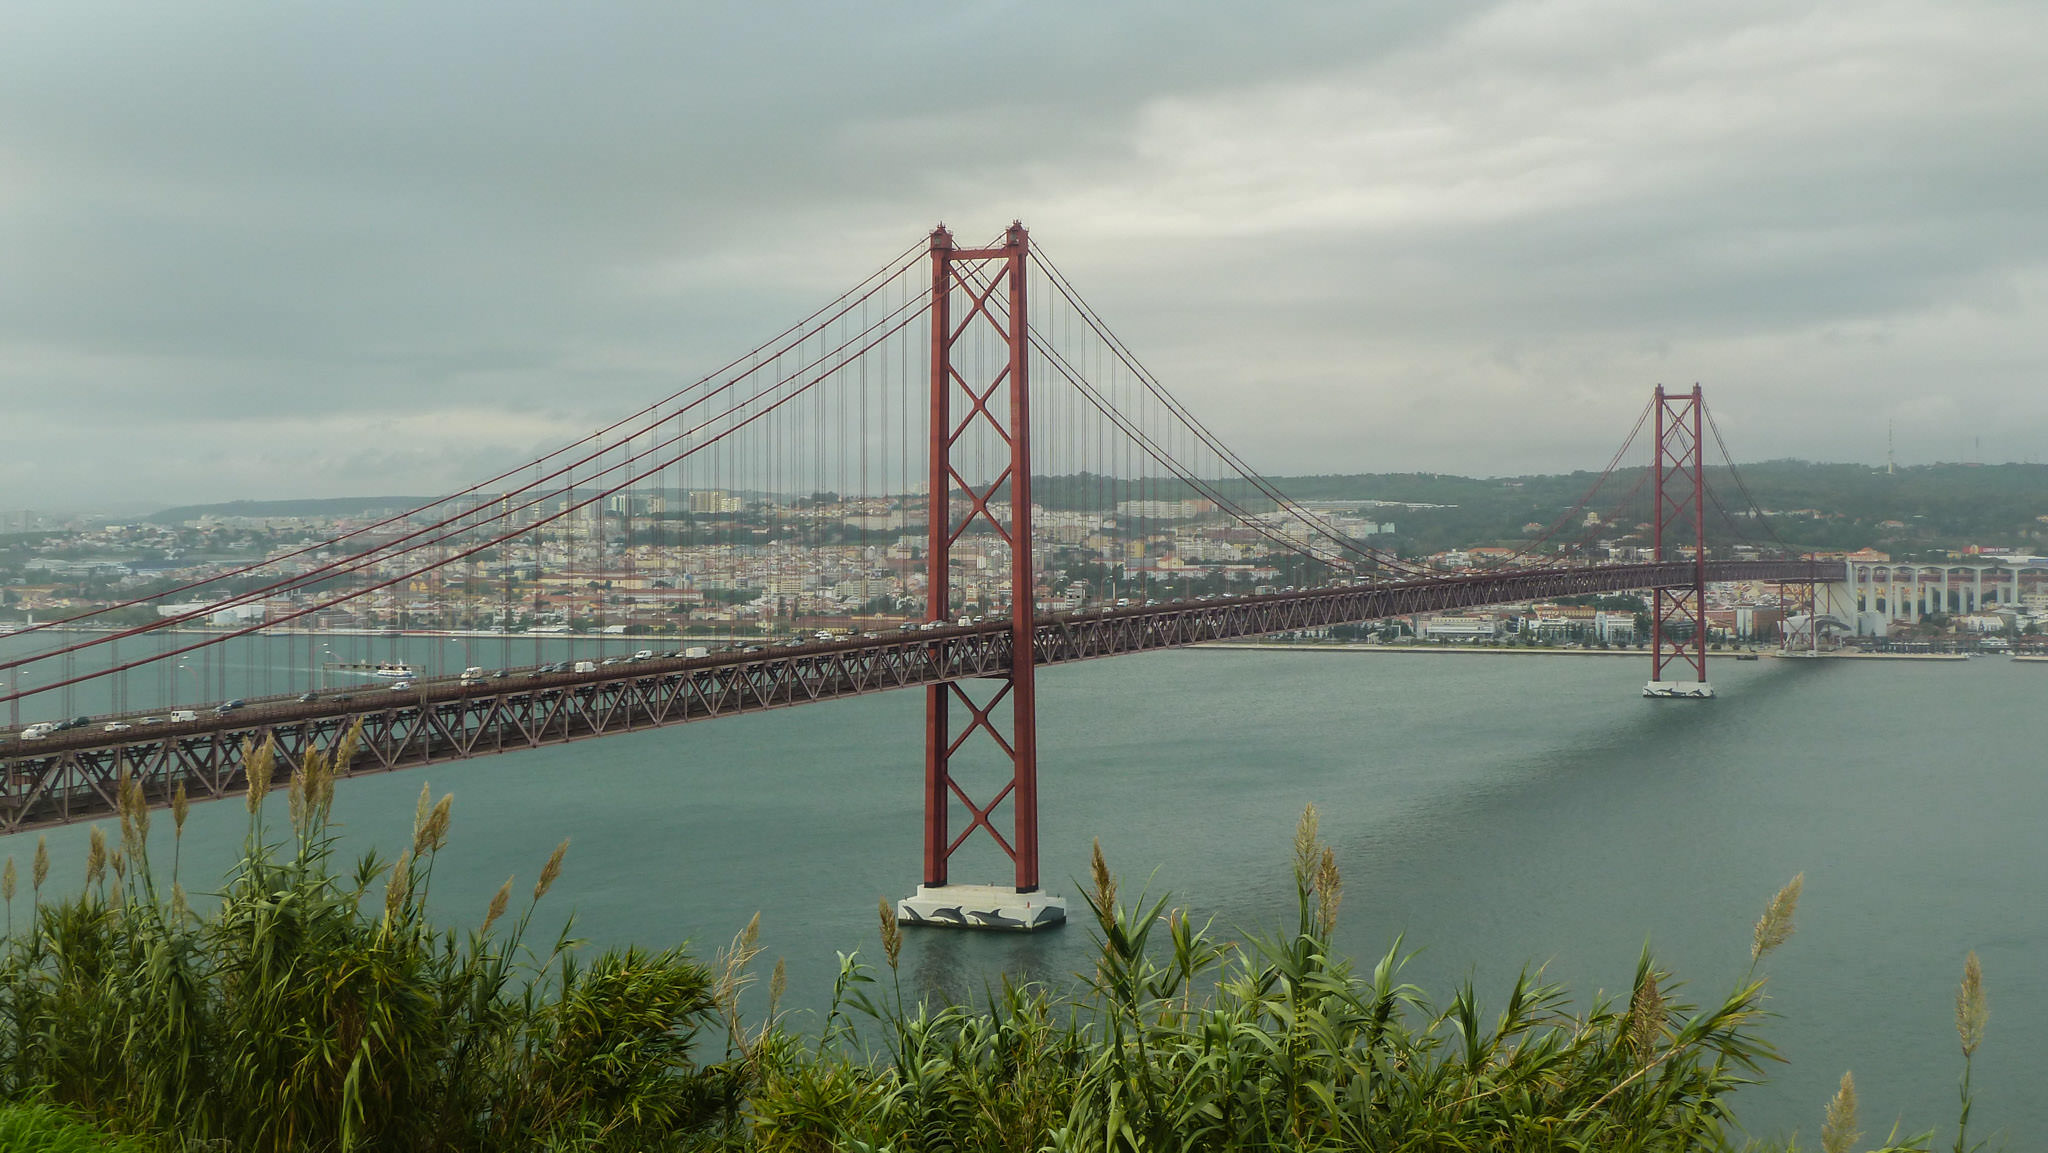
(395, 887)
(433, 834)
(181, 805)
(96, 857)
(141, 812)
(123, 809)
(778, 984)
(261, 762)
(892, 934)
(1838, 1133)
(7, 881)
(1329, 893)
(42, 865)
(551, 870)
(1305, 845)
(319, 773)
(134, 812)
(1646, 1014)
(498, 904)
(1105, 884)
(1972, 1011)
(731, 965)
(341, 759)
(298, 799)
(1774, 928)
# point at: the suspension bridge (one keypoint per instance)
(940, 480)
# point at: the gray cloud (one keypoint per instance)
(1353, 236)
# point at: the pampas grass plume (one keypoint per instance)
(1774, 928)
(1972, 1011)
(551, 870)
(498, 904)
(1838, 1133)
(96, 856)
(892, 934)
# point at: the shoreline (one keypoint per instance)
(391, 634)
(1874, 656)
(1429, 650)
(1478, 650)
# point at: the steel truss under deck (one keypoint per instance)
(72, 776)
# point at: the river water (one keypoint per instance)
(1499, 811)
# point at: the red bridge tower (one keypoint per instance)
(977, 407)
(1678, 623)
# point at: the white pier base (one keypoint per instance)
(981, 907)
(1679, 690)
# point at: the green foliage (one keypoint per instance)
(1182, 1041)
(41, 1129)
(319, 1009)
(1942, 505)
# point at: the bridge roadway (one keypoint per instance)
(71, 776)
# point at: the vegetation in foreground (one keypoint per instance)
(316, 1009)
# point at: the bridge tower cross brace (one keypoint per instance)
(988, 285)
(1680, 497)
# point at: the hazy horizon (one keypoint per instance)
(374, 245)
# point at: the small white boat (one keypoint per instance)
(396, 672)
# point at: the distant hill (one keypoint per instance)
(1922, 507)
(332, 506)
(1914, 508)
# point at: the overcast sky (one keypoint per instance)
(319, 248)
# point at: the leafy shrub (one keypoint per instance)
(319, 1009)
(41, 1129)
(1183, 1041)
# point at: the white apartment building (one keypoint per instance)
(1460, 627)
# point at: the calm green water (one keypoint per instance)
(1498, 811)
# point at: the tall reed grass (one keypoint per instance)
(1182, 1040)
(317, 1008)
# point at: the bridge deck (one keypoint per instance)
(72, 776)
